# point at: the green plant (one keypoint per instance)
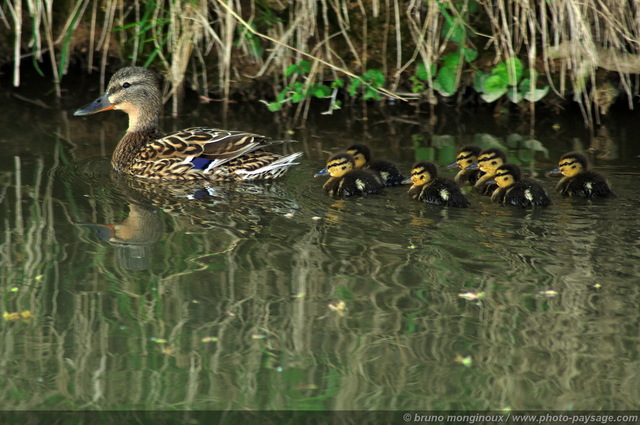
(302, 88)
(370, 82)
(507, 78)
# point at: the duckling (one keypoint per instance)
(488, 161)
(430, 188)
(468, 155)
(346, 179)
(578, 180)
(197, 153)
(387, 170)
(512, 190)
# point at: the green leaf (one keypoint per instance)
(452, 60)
(537, 94)
(491, 97)
(339, 83)
(495, 83)
(291, 69)
(320, 91)
(478, 81)
(514, 68)
(274, 106)
(425, 73)
(304, 67)
(514, 95)
(454, 29)
(447, 80)
(469, 54)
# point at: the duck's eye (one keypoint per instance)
(494, 162)
(126, 85)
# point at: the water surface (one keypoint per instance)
(276, 297)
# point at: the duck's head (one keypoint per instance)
(490, 159)
(133, 90)
(467, 156)
(507, 175)
(338, 165)
(422, 173)
(571, 164)
(361, 154)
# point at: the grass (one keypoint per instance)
(220, 47)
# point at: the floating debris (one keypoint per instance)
(209, 339)
(158, 340)
(548, 293)
(471, 296)
(24, 315)
(339, 307)
(466, 361)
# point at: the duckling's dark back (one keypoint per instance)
(354, 182)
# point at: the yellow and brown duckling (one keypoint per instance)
(513, 190)
(429, 188)
(347, 180)
(467, 156)
(387, 170)
(196, 153)
(578, 180)
(488, 161)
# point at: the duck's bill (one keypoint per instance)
(407, 181)
(453, 165)
(322, 172)
(554, 172)
(472, 166)
(100, 104)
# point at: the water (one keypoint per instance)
(276, 297)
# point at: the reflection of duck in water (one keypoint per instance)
(578, 180)
(428, 187)
(133, 237)
(190, 154)
(488, 161)
(387, 170)
(466, 157)
(512, 190)
(346, 179)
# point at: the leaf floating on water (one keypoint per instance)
(339, 307)
(24, 315)
(289, 215)
(464, 361)
(209, 339)
(258, 336)
(548, 293)
(597, 285)
(315, 217)
(471, 296)
(158, 340)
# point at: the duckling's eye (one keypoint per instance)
(126, 85)
(494, 162)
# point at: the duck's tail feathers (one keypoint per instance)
(271, 171)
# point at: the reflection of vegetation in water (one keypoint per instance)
(244, 308)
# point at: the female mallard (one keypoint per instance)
(578, 180)
(512, 190)
(430, 188)
(191, 154)
(466, 157)
(346, 179)
(488, 161)
(387, 170)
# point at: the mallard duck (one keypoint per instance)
(512, 190)
(467, 155)
(346, 179)
(428, 187)
(488, 161)
(191, 154)
(578, 180)
(387, 170)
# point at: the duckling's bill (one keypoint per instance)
(322, 172)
